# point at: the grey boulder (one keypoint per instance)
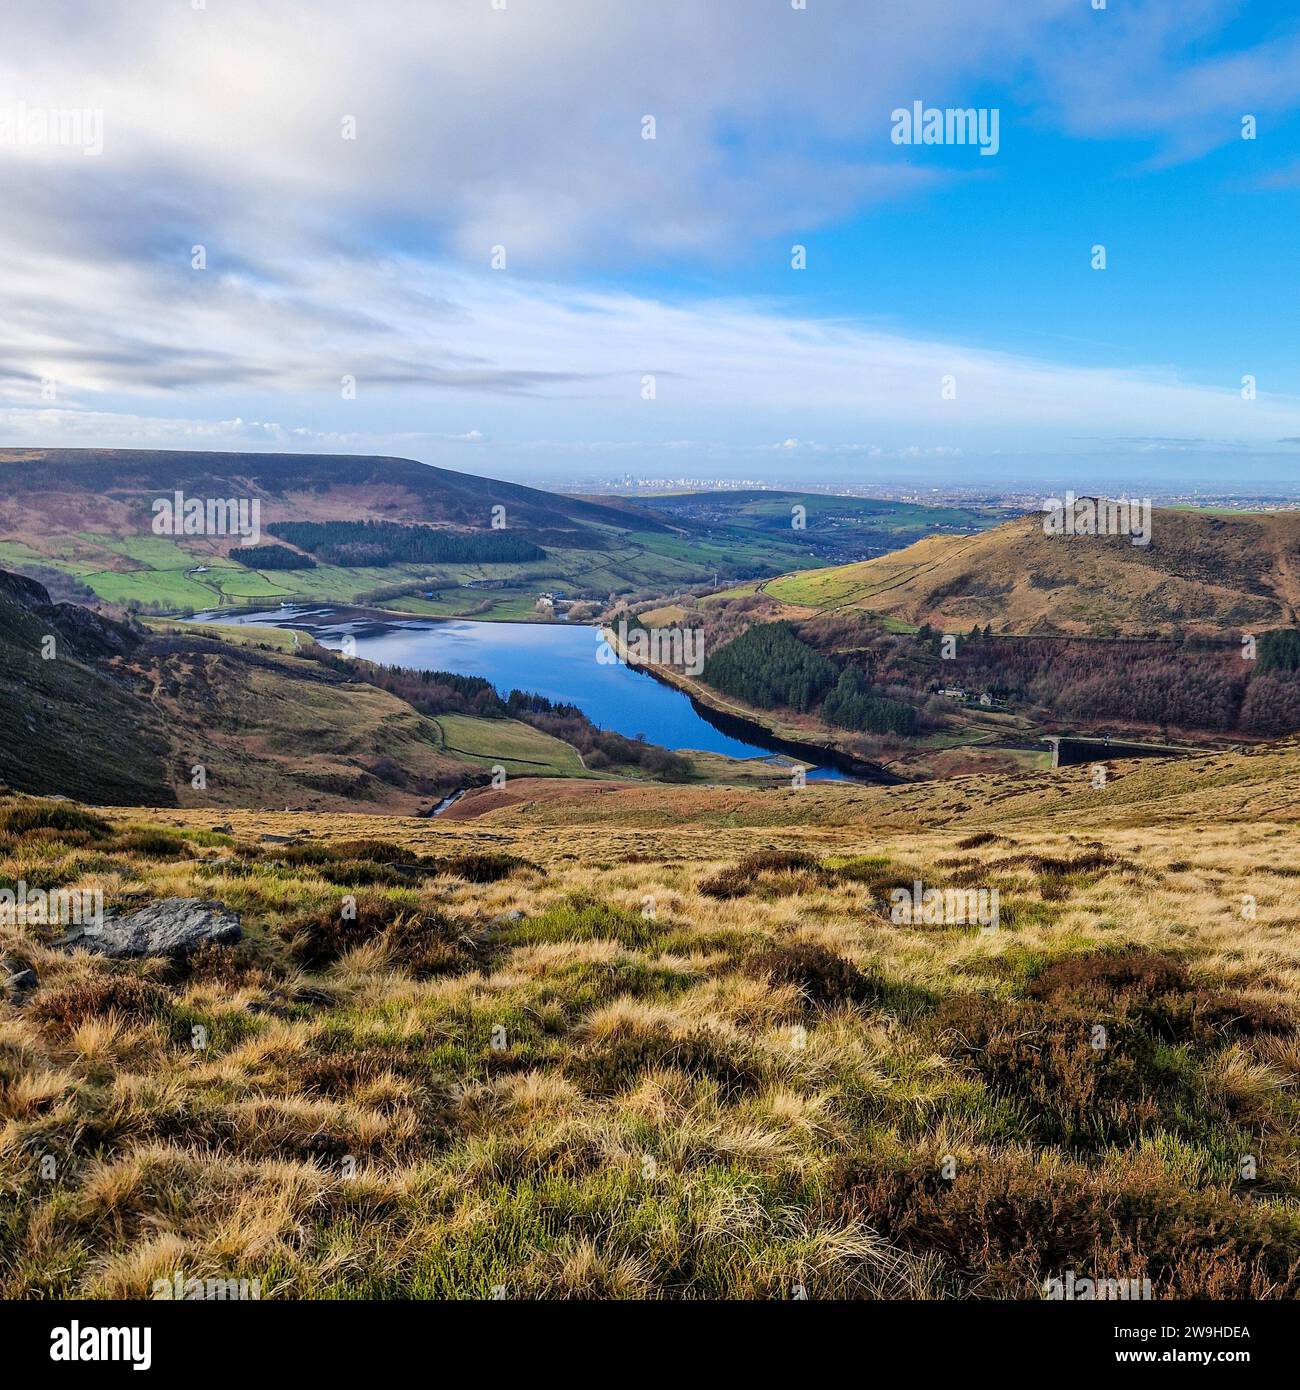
(170, 926)
(17, 979)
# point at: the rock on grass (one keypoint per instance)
(170, 926)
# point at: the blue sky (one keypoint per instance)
(370, 258)
(1201, 265)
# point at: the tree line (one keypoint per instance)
(352, 543)
(271, 557)
(887, 683)
(1189, 684)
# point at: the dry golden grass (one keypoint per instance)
(590, 1078)
(1196, 570)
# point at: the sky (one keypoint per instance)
(437, 229)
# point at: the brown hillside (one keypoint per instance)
(1255, 786)
(1200, 573)
(109, 492)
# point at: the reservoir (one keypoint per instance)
(557, 660)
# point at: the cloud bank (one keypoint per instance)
(232, 257)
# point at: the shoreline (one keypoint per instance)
(737, 725)
(234, 610)
(746, 727)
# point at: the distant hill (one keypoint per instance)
(1201, 573)
(65, 486)
(836, 528)
(87, 515)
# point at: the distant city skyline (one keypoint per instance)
(553, 241)
(1028, 496)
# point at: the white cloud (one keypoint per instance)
(548, 353)
(329, 258)
(477, 127)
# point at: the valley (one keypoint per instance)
(1085, 636)
(229, 715)
(560, 663)
(86, 519)
(542, 973)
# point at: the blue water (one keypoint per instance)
(557, 660)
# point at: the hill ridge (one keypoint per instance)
(1200, 574)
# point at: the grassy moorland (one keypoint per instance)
(584, 1047)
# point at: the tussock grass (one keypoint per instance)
(574, 1069)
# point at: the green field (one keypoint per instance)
(152, 552)
(522, 750)
(247, 586)
(17, 553)
(758, 771)
(169, 588)
(822, 588)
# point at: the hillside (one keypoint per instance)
(1221, 787)
(66, 724)
(84, 518)
(920, 703)
(104, 489)
(582, 1049)
(119, 715)
(1200, 573)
